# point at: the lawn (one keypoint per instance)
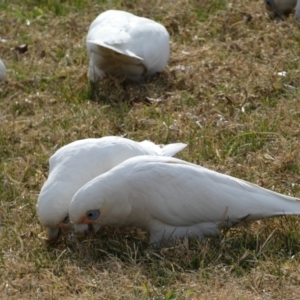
(230, 91)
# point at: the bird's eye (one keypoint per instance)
(93, 214)
(270, 3)
(66, 220)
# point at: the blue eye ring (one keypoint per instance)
(92, 215)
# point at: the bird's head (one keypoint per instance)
(88, 209)
(99, 203)
(53, 212)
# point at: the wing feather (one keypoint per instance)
(182, 194)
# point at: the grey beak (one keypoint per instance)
(90, 229)
(53, 233)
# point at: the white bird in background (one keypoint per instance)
(172, 198)
(79, 162)
(2, 70)
(282, 8)
(122, 44)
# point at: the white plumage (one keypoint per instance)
(122, 44)
(172, 198)
(77, 163)
(2, 70)
(280, 8)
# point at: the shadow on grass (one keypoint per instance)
(236, 251)
(115, 91)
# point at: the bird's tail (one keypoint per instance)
(164, 150)
(172, 149)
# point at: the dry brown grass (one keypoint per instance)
(220, 93)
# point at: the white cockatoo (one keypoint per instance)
(171, 199)
(77, 163)
(282, 8)
(122, 44)
(2, 70)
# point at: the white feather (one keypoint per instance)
(172, 198)
(2, 70)
(79, 162)
(122, 44)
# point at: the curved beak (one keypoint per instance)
(53, 233)
(84, 228)
(90, 229)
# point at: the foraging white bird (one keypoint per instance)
(282, 8)
(2, 70)
(171, 199)
(122, 44)
(79, 162)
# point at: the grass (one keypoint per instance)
(220, 93)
